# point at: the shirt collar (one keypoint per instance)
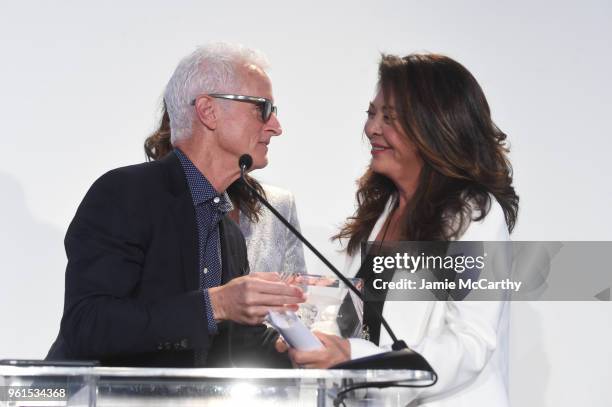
(201, 189)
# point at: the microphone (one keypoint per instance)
(401, 357)
(245, 163)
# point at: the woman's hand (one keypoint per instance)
(335, 350)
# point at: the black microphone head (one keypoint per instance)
(245, 161)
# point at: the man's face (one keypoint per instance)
(241, 128)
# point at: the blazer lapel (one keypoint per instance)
(183, 214)
(184, 218)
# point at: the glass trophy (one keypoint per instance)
(330, 306)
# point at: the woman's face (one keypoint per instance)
(393, 154)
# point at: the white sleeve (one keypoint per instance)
(462, 347)
(458, 351)
(361, 348)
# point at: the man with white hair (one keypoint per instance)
(157, 275)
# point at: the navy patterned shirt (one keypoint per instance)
(210, 207)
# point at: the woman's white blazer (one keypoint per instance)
(466, 342)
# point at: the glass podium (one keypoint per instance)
(28, 384)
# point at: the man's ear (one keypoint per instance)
(206, 112)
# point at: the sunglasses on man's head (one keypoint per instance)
(267, 108)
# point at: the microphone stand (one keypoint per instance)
(401, 357)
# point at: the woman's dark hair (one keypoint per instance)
(444, 113)
(158, 145)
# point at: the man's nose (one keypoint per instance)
(273, 125)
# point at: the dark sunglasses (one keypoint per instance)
(267, 108)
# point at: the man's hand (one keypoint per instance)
(248, 299)
(335, 350)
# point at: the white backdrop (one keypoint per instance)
(81, 85)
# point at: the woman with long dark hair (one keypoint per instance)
(439, 172)
(270, 246)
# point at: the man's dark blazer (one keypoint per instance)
(132, 278)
